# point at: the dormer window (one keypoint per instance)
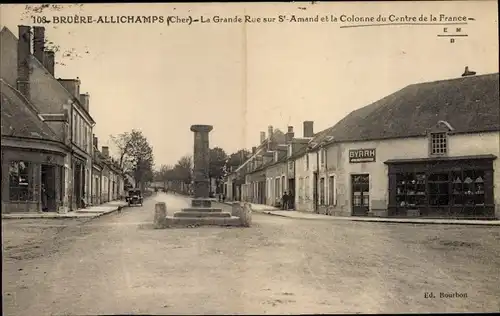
(439, 143)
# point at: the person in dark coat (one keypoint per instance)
(284, 201)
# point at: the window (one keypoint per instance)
(439, 144)
(322, 157)
(82, 132)
(301, 188)
(322, 191)
(331, 190)
(74, 128)
(19, 180)
(289, 150)
(307, 188)
(307, 161)
(85, 145)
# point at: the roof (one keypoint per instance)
(469, 104)
(19, 117)
(298, 153)
(262, 146)
(35, 62)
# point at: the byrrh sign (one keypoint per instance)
(361, 155)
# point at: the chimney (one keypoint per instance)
(262, 137)
(23, 53)
(84, 100)
(270, 131)
(49, 61)
(308, 129)
(105, 151)
(72, 85)
(39, 43)
(254, 150)
(96, 141)
(290, 134)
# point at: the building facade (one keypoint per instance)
(32, 157)
(440, 162)
(55, 99)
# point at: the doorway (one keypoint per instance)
(48, 188)
(360, 190)
(291, 191)
(77, 185)
(315, 192)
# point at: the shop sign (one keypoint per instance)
(362, 155)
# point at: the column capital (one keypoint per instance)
(201, 128)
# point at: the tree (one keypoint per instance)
(135, 155)
(183, 169)
(164, 173)
(217, 160)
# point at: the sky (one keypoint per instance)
(243, 77)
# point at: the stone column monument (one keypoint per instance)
(201, 161)
(201, 211)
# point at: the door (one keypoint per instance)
(291, 191)
(315, 192)
(360, 190)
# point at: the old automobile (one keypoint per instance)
(134, 197)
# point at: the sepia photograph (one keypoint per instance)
(250, 158)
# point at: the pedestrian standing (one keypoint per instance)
(284, 200)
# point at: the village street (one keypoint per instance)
(118, 264)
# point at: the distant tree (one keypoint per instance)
(183, 169)
(135, 155)
(217, 160)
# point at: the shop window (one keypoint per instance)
(322, 191)
(19, 181)
(439, 144)
(468, 188)
(410, 189)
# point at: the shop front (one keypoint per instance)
(32, 180)
(451, 187)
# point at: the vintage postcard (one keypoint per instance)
(250, 158)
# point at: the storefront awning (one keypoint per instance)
(438, 159)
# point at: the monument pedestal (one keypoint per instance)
(202, 215)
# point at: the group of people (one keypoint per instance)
(287, 201)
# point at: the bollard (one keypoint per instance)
(160, 215)
(246, 215)
(236, 209)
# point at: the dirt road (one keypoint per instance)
(119, 264)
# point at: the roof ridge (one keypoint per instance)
(451, 79)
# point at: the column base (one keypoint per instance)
(201, 202)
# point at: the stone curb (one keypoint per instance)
(386, 220)
(75, 214)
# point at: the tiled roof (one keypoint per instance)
(470, 104)
(19, 118)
